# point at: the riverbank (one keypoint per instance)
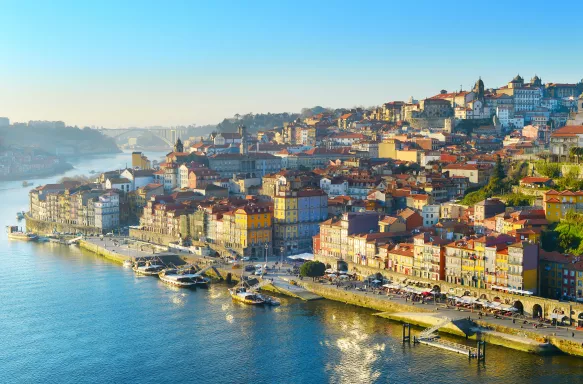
(465, 324)
(510, 335)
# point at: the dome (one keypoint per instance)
(518, 78)
(535, 78)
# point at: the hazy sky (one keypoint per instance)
(123, 63)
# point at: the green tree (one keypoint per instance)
(312, 269)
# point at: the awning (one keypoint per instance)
(302, 256)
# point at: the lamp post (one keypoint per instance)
(266, 250)
(282, 250)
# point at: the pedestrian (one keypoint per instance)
(573, 334)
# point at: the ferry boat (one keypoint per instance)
(19, 215)
(173, 277)
(149, 268)
(241, 294)
(15, 233)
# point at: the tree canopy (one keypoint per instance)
(312, 269)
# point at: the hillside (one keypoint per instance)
(59, 140)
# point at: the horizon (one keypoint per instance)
(120, 65)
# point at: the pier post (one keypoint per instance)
(406, 333)
(481, 351)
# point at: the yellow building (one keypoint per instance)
(558, 204)
(388, 149)
(140, 161)
(253, 229)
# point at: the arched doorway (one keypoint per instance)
(580, 320)
(519, 307)
(483, 297)
(537, 311)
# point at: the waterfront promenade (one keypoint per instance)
(521, 330)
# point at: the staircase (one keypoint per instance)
(262, 283)
(429, 332)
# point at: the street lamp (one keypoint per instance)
(266, 250)
(282, 250)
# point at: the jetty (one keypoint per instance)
(430, 337)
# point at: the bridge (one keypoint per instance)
(167, 135)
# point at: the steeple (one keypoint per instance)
(178, 147)
(243, 148)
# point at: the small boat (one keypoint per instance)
(19, 215)
(128, 263)
(269, 300)
(15, 233)
(241, 294)
(26, 183)
(149, 268)
(172, 276)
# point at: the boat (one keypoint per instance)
(128, 263)
(19, 215)
(172, 276)
(15, 233)
(272, 301)
(148, 268)
(241, 295)
(26, 183)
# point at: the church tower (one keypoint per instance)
(178, 147)
(479, 89)
(243, 148)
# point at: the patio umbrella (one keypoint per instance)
(343, 277)
(332, 275)
(376, 281)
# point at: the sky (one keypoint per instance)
(146, 63)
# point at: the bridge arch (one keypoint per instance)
(519, 307)
(537, 311)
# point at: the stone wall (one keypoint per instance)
(427, 122)
(152, 237)
(380, 303)
(43, 227)
(530, 304)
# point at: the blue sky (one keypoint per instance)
(126, 63)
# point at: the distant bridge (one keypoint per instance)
(169, 136)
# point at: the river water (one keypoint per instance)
(67, 316)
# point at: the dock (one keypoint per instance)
(430, 337)
(284, 286)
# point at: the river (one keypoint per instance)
(69, 316)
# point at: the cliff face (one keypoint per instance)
(69, 141)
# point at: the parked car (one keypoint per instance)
(259, 272)
(249, 268)
(246, 258)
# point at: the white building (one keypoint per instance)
(120, 183)
(107, 211)
(334, 187)
(430, 214)
(138, 177)
(527, 99)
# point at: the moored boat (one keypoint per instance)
(128, 263)
(172, 276)
(15, 233)
(148, 268)
(241, 295)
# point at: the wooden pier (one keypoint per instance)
(429, 337)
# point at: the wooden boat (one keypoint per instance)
(241, 295)
(15, 233)
(149, 268)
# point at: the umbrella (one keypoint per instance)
(332, 275)
(344, 277)
(376, 281)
